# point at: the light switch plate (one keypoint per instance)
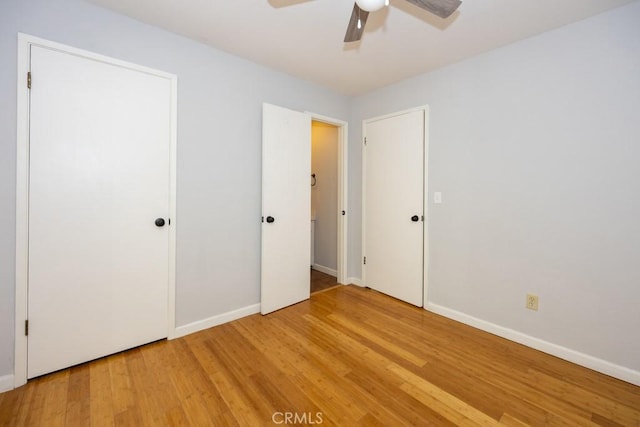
(437, 197)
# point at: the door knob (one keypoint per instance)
(159, 222)
(415, 218)
(270, 219)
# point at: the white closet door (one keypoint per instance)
(286, 207)
(393, 209)
(99, 179)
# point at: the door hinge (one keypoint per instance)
(343, 213)
(365, 138)
(29, 80)
(262, 219)
(422, 218)
(364, 260)
(26, 328)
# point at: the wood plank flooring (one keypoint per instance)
(321, 281)
(347, 357)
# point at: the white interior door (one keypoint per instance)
(99, 177)
(393, 208)
(286, 201)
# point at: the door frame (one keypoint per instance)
(425, 195)
(25, 42)
(343, 220)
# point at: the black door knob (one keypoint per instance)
(270, 219)
(159, 222)
(415, 218)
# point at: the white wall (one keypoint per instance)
(219, 148)
(535, 147)
(324, 195)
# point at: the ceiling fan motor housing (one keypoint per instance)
(371, 5)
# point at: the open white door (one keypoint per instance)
(286, 201)
(393, 206)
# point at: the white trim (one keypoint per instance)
(355, 281)
(22, 189)
(6, 383)
(343, 150)
(565, 353)
(425, 195)
(216, 320)
(22, 214)
(425, 190)
(173, 161)
(325, 270)
(363, 210)
(397, 113)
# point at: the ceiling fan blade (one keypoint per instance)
(354, 33)
(442, 8)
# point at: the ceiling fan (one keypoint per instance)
(361, 9)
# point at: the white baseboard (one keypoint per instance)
(6, 383)
(216, 320)
(354, 281)
(325, 270)
(574, 356)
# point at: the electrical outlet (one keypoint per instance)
(532, 302)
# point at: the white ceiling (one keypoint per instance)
(304, 37)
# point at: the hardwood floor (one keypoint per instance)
(321, 281)
(349, 356)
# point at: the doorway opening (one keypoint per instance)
(286, 206)
(328, 213)
(324, 205)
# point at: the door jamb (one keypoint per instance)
(25, 42)
(425, 196)
(343, 149)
